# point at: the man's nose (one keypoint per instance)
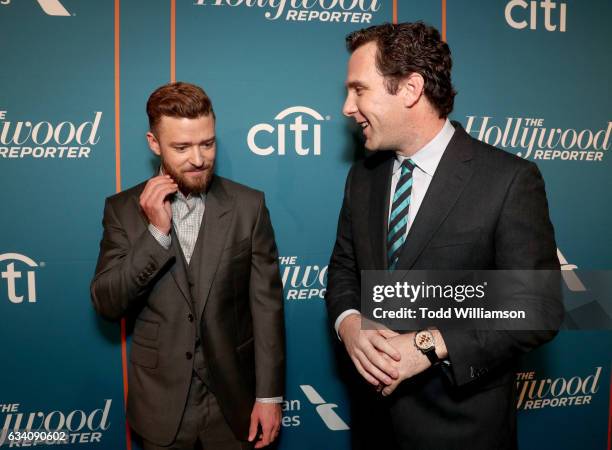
(349, 108)
(195, 156)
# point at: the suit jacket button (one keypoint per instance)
(190, 317)
(188, 355)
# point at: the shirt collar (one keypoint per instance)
(428, 157)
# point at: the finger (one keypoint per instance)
(161, 192)
(151, 187)
(387, 333)
(369, 378)
(375, 359)
(379, 375)
(253, 427)
(381, 344)
(266, 435)
(388, 390)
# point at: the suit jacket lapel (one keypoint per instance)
(379, 207)
(211, 240)
(450, 178)
(178, 269)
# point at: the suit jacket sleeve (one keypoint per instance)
(266, 301)
(524, 239)
(125, 270)
(343, 277)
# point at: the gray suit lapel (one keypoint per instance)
(211, 240)
(451, 177)
(178, 269)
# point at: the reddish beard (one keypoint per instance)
(191, 185)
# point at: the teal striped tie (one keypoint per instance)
(398, 221)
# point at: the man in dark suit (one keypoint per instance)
(192, 256)
(431, 197)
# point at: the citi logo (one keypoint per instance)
(571, 279)
(325, 410)
(17, 292)
(520, 15)
(303, 138)
(49, 7)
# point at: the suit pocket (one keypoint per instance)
(246, 345)
(143, 356)
(455, 239)
(146, 329)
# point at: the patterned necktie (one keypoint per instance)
(398, 221)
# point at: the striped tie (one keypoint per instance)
(398, 221)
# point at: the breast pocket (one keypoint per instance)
(455, 239)
(237, 249)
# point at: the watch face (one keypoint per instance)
(424, 340)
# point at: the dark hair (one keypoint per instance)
(178, 100)
(408, 48)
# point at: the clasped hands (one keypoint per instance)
(382, 356)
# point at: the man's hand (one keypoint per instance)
(367, 349)
(155, 203)
(269, 416)
(412, 361)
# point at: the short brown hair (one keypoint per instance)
(406, 48)
(178, 99)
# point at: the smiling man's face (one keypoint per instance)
(380, 114)
(187, 148)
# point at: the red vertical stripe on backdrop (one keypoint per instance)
(117, 38)
(172, 40)
(444, 20)
(394, 11)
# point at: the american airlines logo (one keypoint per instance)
(49, 7)
(20, 284)
(571, 279)
(325, 410)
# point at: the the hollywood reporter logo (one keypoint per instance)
(330, 11)
(50, 7)
(539, 393)
(20, 139)
(298, 135)
(79, 426)
(20, 283)
(303, 281)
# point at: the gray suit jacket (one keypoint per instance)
(238, 296)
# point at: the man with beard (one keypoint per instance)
(192, 257)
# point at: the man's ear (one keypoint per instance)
(153, 143)
(411, 89)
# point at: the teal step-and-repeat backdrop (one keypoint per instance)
(532, 77)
